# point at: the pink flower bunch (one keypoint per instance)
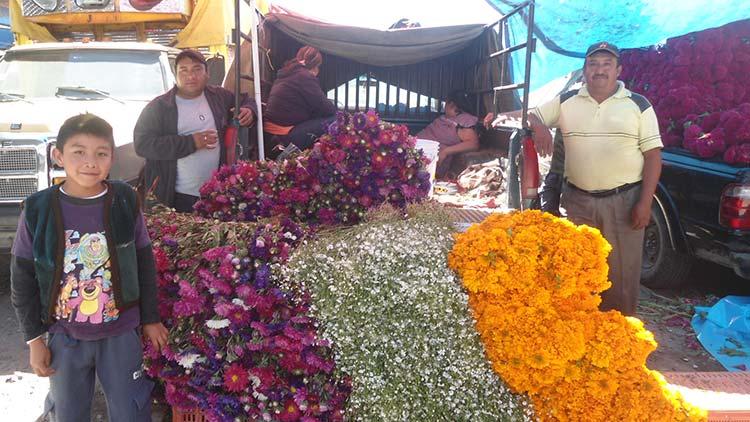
(361, 162)
(698, 86)
(239, 346)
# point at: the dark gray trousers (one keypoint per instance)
(117, 362)
(611, 215)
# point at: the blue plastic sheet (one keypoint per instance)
(572, 25)
(724, 330)
(6, 37)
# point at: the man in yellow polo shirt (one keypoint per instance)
(612, 153)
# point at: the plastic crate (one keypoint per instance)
(191, 415)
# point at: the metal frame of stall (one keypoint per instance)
(238, 36)
(515, 198)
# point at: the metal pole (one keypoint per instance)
(256, 79)
(237, 59)
(527, 76)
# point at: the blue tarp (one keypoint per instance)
(724, 330)
(570, 26)
(6, 37)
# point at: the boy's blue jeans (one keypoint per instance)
(116, 361)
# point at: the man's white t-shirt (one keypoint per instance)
(194, 115)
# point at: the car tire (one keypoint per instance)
(662, 267)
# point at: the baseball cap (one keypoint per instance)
(603, 46)
(193, 55)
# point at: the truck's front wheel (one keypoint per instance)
(663, 267)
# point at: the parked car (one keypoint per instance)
(701, 210)
(41, 85)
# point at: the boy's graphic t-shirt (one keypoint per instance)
(86, 292)
(85, 308)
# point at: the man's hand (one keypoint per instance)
(206, 139)
(640, 215)
(542, 140)
(40, 358)
(246, 116)
(157, 334)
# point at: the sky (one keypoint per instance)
(381, 14)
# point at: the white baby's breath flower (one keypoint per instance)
(188, 360)
(400, 324)
(217, 324)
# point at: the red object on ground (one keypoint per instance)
(192, 415)
(530, 172)
(230, 143)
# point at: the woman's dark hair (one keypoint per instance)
(461, 100)
(307, 57)
(85, 124)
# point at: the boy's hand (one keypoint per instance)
(157, 334)
(40, 358)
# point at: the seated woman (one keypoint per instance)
(455, 131)
(298, 110)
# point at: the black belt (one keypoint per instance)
(603, 193)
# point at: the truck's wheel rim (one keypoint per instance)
(651, 247)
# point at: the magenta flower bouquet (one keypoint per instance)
(697, 85)
(361, 162)
(239, 346)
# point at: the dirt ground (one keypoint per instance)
(666, 313)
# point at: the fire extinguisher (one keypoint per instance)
(230, 141)
(530, 169)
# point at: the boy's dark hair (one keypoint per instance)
(85, 124)
(193, 55)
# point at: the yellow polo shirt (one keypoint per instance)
(604, 143)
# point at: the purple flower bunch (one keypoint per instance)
(239, 346)
(359, 163)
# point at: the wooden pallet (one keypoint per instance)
(726, 395)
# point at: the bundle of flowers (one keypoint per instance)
(359, 163)
(698, 86)
(239, 347)
(534, 282)
(400, 322)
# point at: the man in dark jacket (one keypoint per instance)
(179, 133)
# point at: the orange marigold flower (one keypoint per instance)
(534, 282)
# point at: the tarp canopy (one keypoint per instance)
(565, 28)
(375, 47)
(21, 26)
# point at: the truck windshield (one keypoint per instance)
(132, 75)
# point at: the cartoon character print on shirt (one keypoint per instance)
(86, 288)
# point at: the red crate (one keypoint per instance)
(191, 415)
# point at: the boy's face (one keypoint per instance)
(87, 160)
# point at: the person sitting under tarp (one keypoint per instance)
(456, 130)
(298, 110)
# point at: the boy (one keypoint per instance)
(82, 269)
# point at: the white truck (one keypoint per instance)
(41, 85)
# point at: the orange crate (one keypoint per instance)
(191, 415)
